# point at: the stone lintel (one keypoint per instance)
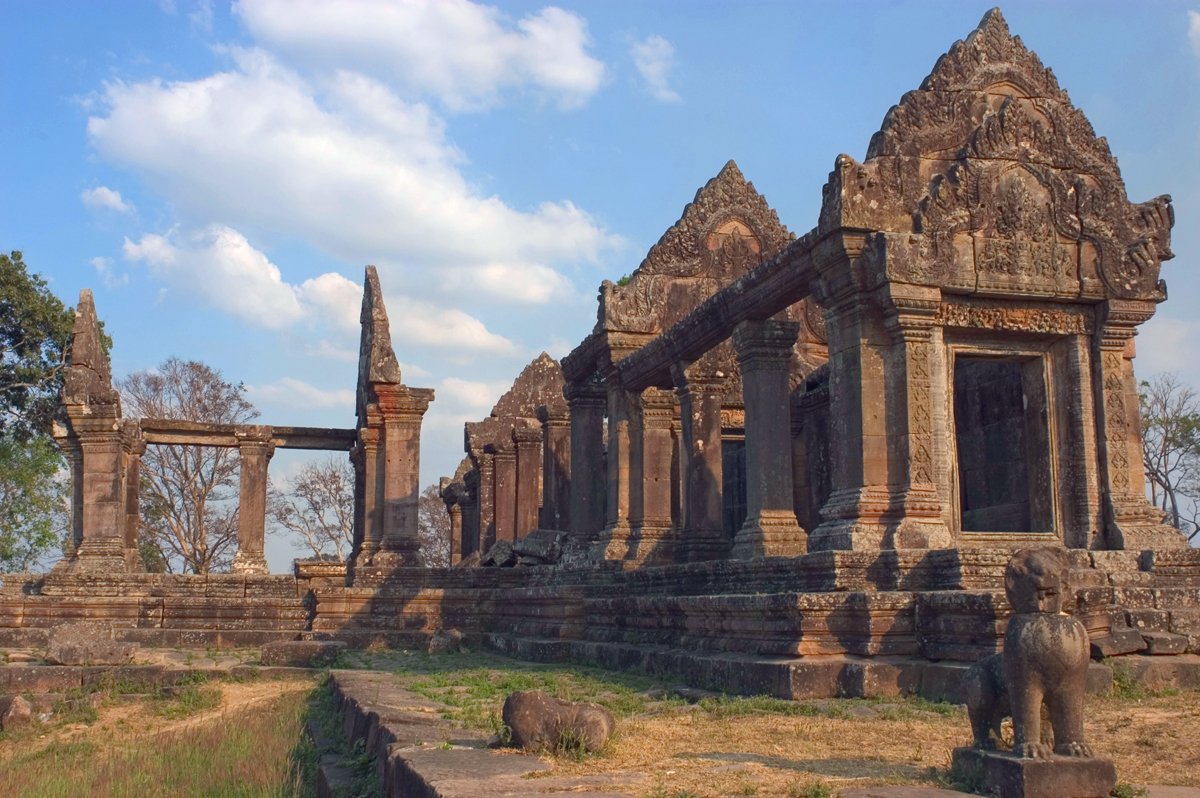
(192, 433)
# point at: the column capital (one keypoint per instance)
(589, 393)
(658, 408)
(401, 403)
(696, 380)
(526, 437)
(554, 416)
(768, 341)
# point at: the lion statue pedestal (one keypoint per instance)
(1043, 670)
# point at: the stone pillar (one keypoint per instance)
(133, 447)
(71, 450)
(504, 489)
(586, 400)
(1132, 523)
(102, 538)
(528, 443)
(613, 543)
(556, 467)
(403, 409)
(487, 501)
(764, 351)
(470, 512)
(456, 533)
(652, 541)
(370, 476)
(357, 462)
(255, 450)
(700, 394)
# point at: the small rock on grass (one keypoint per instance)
(538, 720)
(445, 641)
(17, 716)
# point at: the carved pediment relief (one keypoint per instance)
(724, 232)
(993, 182)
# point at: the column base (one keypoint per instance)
(1138, 526)
(701, 545)
(613, 543)
(771, 533)
(99, 556)
(249, 563)
(653, 544)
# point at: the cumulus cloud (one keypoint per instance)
(465, 54)
(1194, 31)
(221, 266)
(352, 168)
(105, 197)
(297, 393)
(459, 401)
(654, 58)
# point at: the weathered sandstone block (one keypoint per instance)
(538, 720)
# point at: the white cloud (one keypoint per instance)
(360, 173)
(654, 58)
(202, 17)
(458, 401)
(104, 197)
(296, 393)
(103, 267)
(466, 54)
(227, 272)
(1194, 31)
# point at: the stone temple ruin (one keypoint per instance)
(795, 465)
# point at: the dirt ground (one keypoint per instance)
(689, 751)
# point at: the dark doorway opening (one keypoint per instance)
(733, 485)
(1001, 422)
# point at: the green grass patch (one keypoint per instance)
(186, 701)
(256, 753)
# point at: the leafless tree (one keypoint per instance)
(1171, 449)
(317, 507)
(433, 528)
(189, 493)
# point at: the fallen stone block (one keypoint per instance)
(445, 641)
(500, 555)
(18, 715)
(537, 720)
(302, 653)
(87, 643)
(1164, 643)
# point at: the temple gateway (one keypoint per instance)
(780, 463)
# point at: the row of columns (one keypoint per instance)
(622, 501)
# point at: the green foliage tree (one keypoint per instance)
(1171, 450)
(34, 512)
(35, 328)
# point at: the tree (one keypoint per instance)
(35, 328)
(317, 505)
(433, 528)
(1171, 450)
(34, 509)
(189, 493)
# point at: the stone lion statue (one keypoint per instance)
(1043, 670)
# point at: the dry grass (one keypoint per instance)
(251, 744)
(698, 752)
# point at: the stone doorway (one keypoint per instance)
(1002, 441)
(733, 487)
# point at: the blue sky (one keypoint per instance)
(220, 174)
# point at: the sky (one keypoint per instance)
(220, 174)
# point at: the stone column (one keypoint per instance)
(504, 489)
(255, 450)
(403, 409)
(487, 501)
(700, 396)
(134, 447)
(556, 467)
(764, 351)
(470, 512)
(652, 541)
(613, 543)
(528, 443)
(370, 475)
(71, 450)
(586, 400)
(357, 462)
(1133, 524)
(456, 533)
(102, 539)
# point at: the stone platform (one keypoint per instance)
(1056, 777)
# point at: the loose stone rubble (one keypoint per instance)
(794, 465)
(539, 721)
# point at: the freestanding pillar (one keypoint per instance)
(528, 443)
(764, 351)
(700, 394)
(402, 408)
(556, 467)
(587, 400)
(255, 450)
(133, 447)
